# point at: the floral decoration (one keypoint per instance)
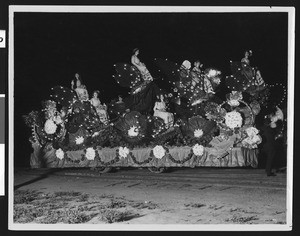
(133, 131)
(79, 140)
(252, 139)
(50, 127)
(123, 152)
(198, 150)
(234, 97)
(214, 112)
(90, 153)
(233, 119)
(159, 151)
(198, 133)
(233, 103)
(60, 154)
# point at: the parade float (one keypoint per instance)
(188, 127)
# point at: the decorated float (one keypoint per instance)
(187, 127)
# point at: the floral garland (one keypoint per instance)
(189, 157)
(233, 119)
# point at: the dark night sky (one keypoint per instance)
(51, 47)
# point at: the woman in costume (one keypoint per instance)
(140, 65)
(196, 73)
(100, 109)
(160, 111)
(244, 77)
(80, 89)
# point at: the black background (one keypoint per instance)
(33, 100)
(50, 47)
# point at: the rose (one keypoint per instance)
(123, 152)
(198, 150)
(50, 127)
(233, 119)
(60, 154)
(159, 151)
(79, 140)
(90, 153)
(198, 133)
(133, 131)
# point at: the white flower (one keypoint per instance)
(79, 140)
(233, 119)
(252, 131)
(198, 133)
(90, 153)
(60, 154)
(123, 152)
(253, 138)
(50, 127)
(159, 151)
(233, 103)
(198, 150)
(133, 131)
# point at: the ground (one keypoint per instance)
(137, 196)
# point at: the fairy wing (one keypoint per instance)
(63, 96)
(127, 75)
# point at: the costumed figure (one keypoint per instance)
(270, 133)
(140, 65)
(160, 111)
(80, 88)
(196, 73)
(100, 109)
(244, 77)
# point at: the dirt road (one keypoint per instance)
(137, 196)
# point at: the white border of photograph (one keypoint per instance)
(157, 9)
(2, 169)
(2, 156)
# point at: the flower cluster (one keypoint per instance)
(60, 153)
(233, 119)
(198, 150)
(159, 151)
(133, 131)
(252, 139)
(123, 152)
(234, 98)
(198, 133)
(90, 153)
(79, 140)
(214, 112)
(50, 127)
